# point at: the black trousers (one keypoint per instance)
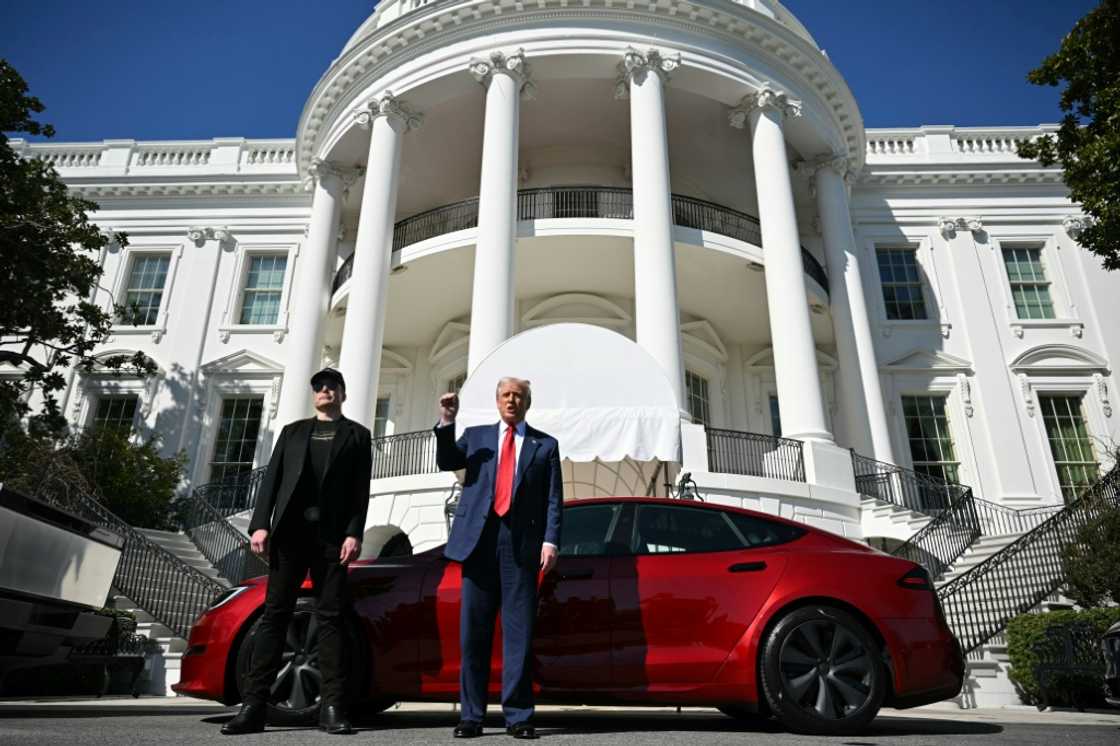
(297, 551)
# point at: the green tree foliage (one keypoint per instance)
(1031, 639)
(1088, 144)
(129, 478)
(1092, 563)
(49, 271)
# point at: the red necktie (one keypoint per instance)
(503, 485)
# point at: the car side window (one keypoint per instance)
(585, 530)
(668, 529)
(759, 532)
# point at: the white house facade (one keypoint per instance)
(674, 198)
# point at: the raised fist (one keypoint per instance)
(448, 408)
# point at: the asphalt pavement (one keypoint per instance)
(155, 722)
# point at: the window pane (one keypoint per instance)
(665, 529)
(775, 418)
(144, 292)
(902, 284)
(1030, 290)
(931, 448)
(381, 417)
(264, 284)
(696, 390)
(236, 440)
(1070, 444)
(759, 532)
(116, 412)
(585, 530)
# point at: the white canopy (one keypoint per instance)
(599, 394)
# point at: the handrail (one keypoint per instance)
(942, 541)
(755, 454)
(980, 602)
(582, 202)
(234, 494)
(905, 488)
(404, 454)
(173, 592)
(997, 520)
(227, 549)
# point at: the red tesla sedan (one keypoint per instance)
(654, 602)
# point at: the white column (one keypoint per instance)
(795, 355)
(364, 329)
(312, 275)
(859, 371)
(656, 313)
(494, 298)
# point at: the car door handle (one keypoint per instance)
(577, 575)
(747, 567)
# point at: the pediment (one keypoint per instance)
(577, 308)
(243, 362)
(394, 362)
(703, 335)
(451, 341)
(765, 359)
(1059, 358)
(929, 360)
(98, 369)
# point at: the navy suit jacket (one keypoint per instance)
(538, 489)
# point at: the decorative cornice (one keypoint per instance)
(636, 65)
(389, 106)
(500, 63)
(1075, 225)
(208, 188)
(938, 175)
(950, 226)
(766, 97)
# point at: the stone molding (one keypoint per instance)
(766, 97)
(636, 65)
(389, 106)
(1075, 225)
(199, 235)
(499, 63)
(949, 227)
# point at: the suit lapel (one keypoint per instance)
(528, 449)
(345, 430)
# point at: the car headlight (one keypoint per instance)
(226, 596)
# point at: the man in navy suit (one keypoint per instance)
(506, 529)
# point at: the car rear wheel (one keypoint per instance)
(822, 672)
(295, 693)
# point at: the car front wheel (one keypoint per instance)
(822, 672)
(295, 693)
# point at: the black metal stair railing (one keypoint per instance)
(404, 454)
(980, 602)
(1000, 520)
(755, 454)
(174, 593)
(582, 202)
(234, 494)
(921, 493)
(942, 541)
(225, 547)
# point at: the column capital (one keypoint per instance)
(199, 235)
(388, 105)
(499, 63)
(841, 165)
(636, 65)
(331, 175)
(766, 97)
(1075, 225)
(950, 226)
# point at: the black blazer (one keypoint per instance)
(345, 492)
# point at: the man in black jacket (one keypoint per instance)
(310, 516)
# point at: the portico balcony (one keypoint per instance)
(603, 203)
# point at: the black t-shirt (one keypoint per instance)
(315, 466)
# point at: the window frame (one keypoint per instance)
(706, 402)
(921, 283)
(947, 414)
(246, 290)
(1086, 386)
(670, 505)
(1082, 398)
(101, 399)
(612, 524)
(121, 279)
(1065, 311)
(231, 314)
(261, 430)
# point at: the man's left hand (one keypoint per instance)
(351, 548)
(548, 558)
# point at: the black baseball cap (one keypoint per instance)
(328, 374)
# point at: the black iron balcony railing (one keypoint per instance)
(755, 455)
(234, 494)
(404, 454)
(582, 202)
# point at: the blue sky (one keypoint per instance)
(157, 69)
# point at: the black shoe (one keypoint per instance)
(522, 730)
(249, 720)
(468, 729)
(332, 719)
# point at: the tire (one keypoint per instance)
(296, 690)
(744, 713)
(822, 672)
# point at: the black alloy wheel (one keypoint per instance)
(822, 672)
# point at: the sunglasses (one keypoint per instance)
(332, 385)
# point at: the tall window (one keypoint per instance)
(116, 412)
(696, 389)
(775, 417)
(144, 294)
(455, 385)
(381, 417)
(1069, 442)
(236, 441)
(1029, 287)
(931, 444)
(264, 284)
(902, 284)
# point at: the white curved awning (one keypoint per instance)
(599, 394)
